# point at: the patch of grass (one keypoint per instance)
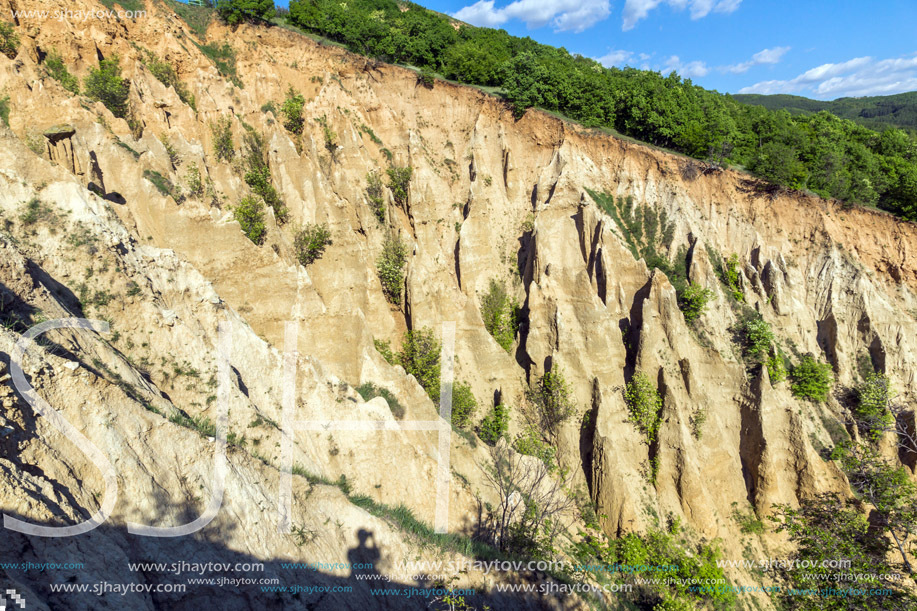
(370, 391)
(128, 149)
(196, 17)
(224, 58)
(35, 211)
(404, 519)
(57, 69)
(162, 184)
(748, 522)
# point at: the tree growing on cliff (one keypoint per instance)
(9, 40)
(235, 12)
(106, 85)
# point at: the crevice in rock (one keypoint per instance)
(631, 327)
(587, 436)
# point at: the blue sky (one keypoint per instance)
(820, 49)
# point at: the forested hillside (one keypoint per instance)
(877, 112)
(830, 156)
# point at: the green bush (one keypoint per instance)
(731, 278)
(57, 70)
(9, 40)
(463, 405)
(329, 136)
(500, 313)
(223, 146)
(235, 12)
(250, 214)
(375, 194)
(776, 367)
(872, 413)
(369, 391)
(399, 181)
(494, 424)
(531, 444)
(5, 110)
(552, 400)
(644, 404)
(291, 109)
(106, 85)
(193, 181)
(693, 300)
(757, 338)
(390, 267)
(259, 180)
(811, 380)
(384, 347)
(661, 552)
(310, 242)
(420, 351)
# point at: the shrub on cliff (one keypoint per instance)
(500, 313)
(106, 85)
(811, 380)
(223, 146)
(390, 267)
(9, 40)
(420, 357)
(57, 70)
(235, 12)
(310, 242)
(250, 214)
(693, 300)
(399, 179)
(644, 404)
(494, 424)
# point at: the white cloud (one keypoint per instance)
(859, 76)
(766, 56)
(635, 10)
(562, 15)
(616, 58)
(688, 70)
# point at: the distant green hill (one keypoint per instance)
(876, 112)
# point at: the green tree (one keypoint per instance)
(9, 40)
(644, 404)
(390, 268)
(310, 242)
(872, 412)
(827, 530)
(420, 352)
(106, 85)
(399, 181)
(250, 214)
(292, 111)
(550, 401)
(811, 380)
(494, 425)
(693, 300)
(223, 146)
(500, 313)
(235, 12)
(464, 404)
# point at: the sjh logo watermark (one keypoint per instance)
(289, 426)
(15, 598)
